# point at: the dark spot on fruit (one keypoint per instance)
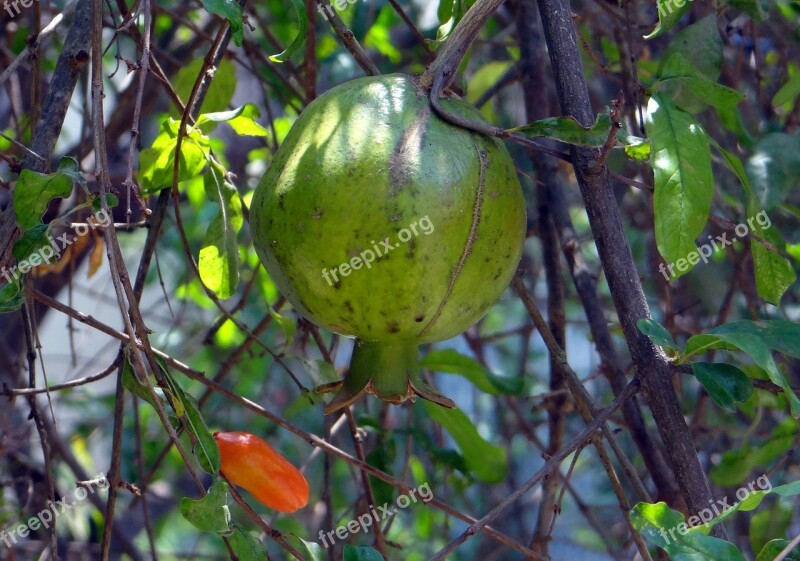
(349, 306)
(419, 319)
(393, 327)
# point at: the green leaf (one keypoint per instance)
(638, 149)
(133, 385)
(231, 11)
(219, 256)
(34, 191)
(774, 273)
(774, 168)
(486, 461)
(289, 327)
(205, 448)
(12, 297)
(241, 120)
(484, 78)
(788, 490)
(769, 524)
(734, 468)
(752, 343)
(657, 333)
(567, 129)
(246, 547)
(684, 183)
(724, 383)
(669, 14)
(32, 241)
(379, 38)
(209, 514)
(381, 457)
(156, 163)
(773, 549)
(701, 44)
(111, 200)
(220, 92)
(300, 39)
(666, 528)
(361, 553)
(788, 92)
(311, 551)
(450, 13)
(452, 362)
(685, 84)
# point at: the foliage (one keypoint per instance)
(697, 123)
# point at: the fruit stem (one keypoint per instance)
(442, 70)
(389, 371)
(454, 49)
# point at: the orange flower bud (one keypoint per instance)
(251, 463)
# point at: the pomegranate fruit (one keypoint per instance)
(381, 221)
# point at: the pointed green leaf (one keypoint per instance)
(567, 129)
(452, 362)
(774, 168)
(657, 333)
(242, 120)
(724, 383)
(311, 551)
(486, 461)
(774, 548)
(774, 273)
(219, 255)
(751, 343)
(684, 183)
(682, 81)
(788, 490)
(300, 39)
(246, 547)
(220, 92)
(788, 91)
(205, 449)
(670, 13)
(231, 11)
(666, 528)
(702, 45)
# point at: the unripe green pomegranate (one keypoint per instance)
(381, 221)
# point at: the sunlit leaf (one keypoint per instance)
(684, 183)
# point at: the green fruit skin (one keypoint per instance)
(364, 161)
